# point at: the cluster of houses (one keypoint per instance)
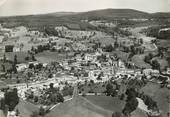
(103, 24)
(73, 34)
(10, 37)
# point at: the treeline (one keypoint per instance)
(155, 32)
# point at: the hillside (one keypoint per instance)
(79, 107)
(65, 18)
(111, 14)
(161, 15)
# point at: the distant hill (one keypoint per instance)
(65, 18)
(160, 15)
(112, 13)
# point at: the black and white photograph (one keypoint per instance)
(84, 58)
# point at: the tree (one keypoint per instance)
(116, 114)
(4, 58)
(131, 102)
(11, 98)
(168, 59)
(15, 59)
(109, 89)
(39, 66)
(122, 96)
(35, 114)
(42, 111)
(130, 106)
(2, 104)
(14, 68)
(60, 98)
(35, 98)
(3, 67)
(148, 58)
(51, 85)
(31, 66)
(27, 58)
(92, 82)
(109, 48)
(33, 57)
(155, 65)
(17, 112)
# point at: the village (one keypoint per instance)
(50, 69)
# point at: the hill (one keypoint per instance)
(110, 14)
(65, 18)
(161, 15)
(79, 107)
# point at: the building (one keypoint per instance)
(9, 48)
(2, 48)
(90, 57)
(21, 67)
(1, 39)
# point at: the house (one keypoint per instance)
(168, 71)
(16, 49)
(21, 67)
(94, 73)
(1, 39)
(121, 64)
(90, 57)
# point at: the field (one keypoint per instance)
(107, 102)
(163, 43)
(138, 60)
(47, 57)
(20, 56)
(96, 88)
(78, 107)
(160, 95)
(26, 108)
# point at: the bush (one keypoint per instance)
(11, 98)
(42, 111)
(84, 94)
(35, 114)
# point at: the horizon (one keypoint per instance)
(38, 7)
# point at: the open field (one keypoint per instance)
(47, 57)
(163, 43)
(138, 60)
(20, 56)
(78, 107)
(96, 88)
(26, 108)
(107, 102)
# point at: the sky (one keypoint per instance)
(26, 7)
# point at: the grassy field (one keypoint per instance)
(159, 95)
(138, 113)
(47, 57)
(96, 88)
(163, 43)
(26, 108)
(20, 56)
(78, 107)
(109, 103)
(138, 60)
